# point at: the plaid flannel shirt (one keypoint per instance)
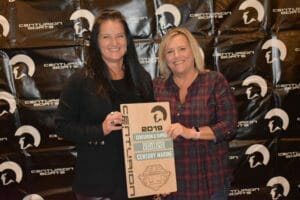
(201, 166)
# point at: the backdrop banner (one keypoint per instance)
(255, 44)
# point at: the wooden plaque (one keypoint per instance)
(148, 151)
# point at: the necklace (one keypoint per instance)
(117, 74)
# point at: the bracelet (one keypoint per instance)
(196, 128)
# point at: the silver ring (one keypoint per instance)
(111, 113)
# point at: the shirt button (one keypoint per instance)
(102, 143)
(178, 114)
(95, 143)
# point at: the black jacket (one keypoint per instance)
(99, 169)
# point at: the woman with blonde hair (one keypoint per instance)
(203, 114)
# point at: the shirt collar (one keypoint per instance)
(171, 84)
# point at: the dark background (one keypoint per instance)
(42, 44)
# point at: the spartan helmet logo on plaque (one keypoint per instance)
(159, 114)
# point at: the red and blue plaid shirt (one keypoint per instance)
(201, 166)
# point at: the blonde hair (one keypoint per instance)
(198, 57)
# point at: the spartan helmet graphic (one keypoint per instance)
(8, 100)
(256, 86)
(277, 50)
(28, 136)
(258, 155)
(278, 120)
(159, 114)
(33, 197)
(253, 11)
(23, 66)
(4, 25)
(10, 172)
(280, 187)
(168, 16)
(277, 192)
(79, 26)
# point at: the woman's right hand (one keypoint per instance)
(112, 122)
(178, 129)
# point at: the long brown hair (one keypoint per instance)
(97, 69)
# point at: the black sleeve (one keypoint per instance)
(67, 117)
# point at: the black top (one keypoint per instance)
(99, 167)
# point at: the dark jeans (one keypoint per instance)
(223, 193)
